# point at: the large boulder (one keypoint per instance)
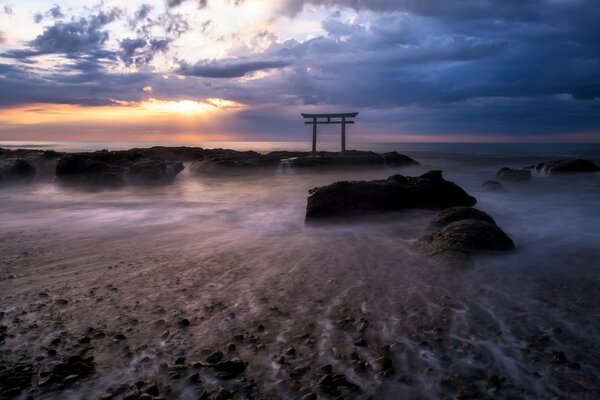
(348, 159)
(566, 166)
(231, 161)
(16, 170)
(398, 192)
(459, 232)
(513, 175)
(151, 172)
(83, 169)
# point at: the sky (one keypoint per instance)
(204, 70)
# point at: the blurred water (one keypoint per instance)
(242, 242)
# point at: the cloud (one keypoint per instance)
(175, 3)
(141, 51)
(3, 37)
(228, 69)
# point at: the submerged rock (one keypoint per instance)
(513, 175)
(460, 232)
(16, 170)
(348, 159)
(492, 186)
(566, 166)
(397, 192)
(153, 172)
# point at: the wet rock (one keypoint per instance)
(184, 322)
(151, 389)
(14, 378)
(214, 357)
(222, 394)
(492, 186)
(381, 363)
(558, 357)
(397, 192)
(229, 161)
(351, 158)
(458, 233)
(72, 369)
(513, 175)
(16, 170)
(93, 169)
(229, 369)
(567, 166)
(151, 172)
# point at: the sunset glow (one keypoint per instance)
(415, 72)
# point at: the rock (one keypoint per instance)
(152, 172)
(348, 159)
(222, 394)
(229, 161)
(461, 232)
(229, 369)
(381, 363)
(184, 322)
(84, 169)
(492, 186)
(454, 214)
(16, 170)
(513, 175)
(214, 357)
(397, 192)
(151, 389)
(566, 166)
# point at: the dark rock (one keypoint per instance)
(381, 363)
(458, 231)
(16, 170)
(222, 394)
(151, 389)
(229, 161)
(513, 175)
(566, 166)
(454, 214)
(397, 192)
(492, 186)
(350, 158)
(152, 172)
(558, 357)
(184, 322)
(229, 369)
(214, 357)
(94, 170)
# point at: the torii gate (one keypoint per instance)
(316, 119)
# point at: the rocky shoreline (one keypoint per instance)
(160, 165)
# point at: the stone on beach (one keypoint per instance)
(397, 192)
(463, 231)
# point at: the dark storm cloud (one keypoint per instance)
(231, 69)
(141, 51)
